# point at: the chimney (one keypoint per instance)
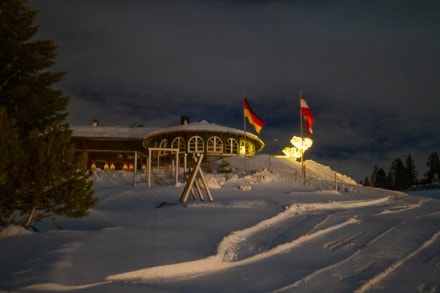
(184, 120)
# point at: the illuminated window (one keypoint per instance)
(247, 148)
(215, 144)
(178, 143)
(244, 147)
(231, 146)
(250, 150)
(196, 145)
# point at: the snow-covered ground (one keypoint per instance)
(265, 231)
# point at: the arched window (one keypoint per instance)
(231, 146)
(178, 143)
(215, 144)
(163, 144)
(196, 145)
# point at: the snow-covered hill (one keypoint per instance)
(279, 234)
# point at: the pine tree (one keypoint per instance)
(25, 86)
(373, 178)
(11, 155)
(433, 164)
(397, 175)
(50, 182)
(411, 173)
(379, 177)
(366, 181)
(382, 181)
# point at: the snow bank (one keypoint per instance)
(14, 230)
(227, 250)
(279, 234)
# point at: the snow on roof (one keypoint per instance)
(148, 132)
(111, 131)
(202, 125)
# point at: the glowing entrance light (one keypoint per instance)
(242, 150)
(300, 146)
(292, 153)
(301, 143)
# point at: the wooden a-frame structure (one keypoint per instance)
(192, 180)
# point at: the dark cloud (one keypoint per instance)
(368, 69)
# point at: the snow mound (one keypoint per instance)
(248, 171)
(280, 168)
(212, 182)
(14, 230)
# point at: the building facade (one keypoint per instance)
(113, 148)
(213, 140)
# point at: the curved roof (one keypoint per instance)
(203, 125)
(110, 131)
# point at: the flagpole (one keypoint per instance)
(303, 167)
(300, 114)
(245, 136)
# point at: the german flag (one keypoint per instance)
(252, 118)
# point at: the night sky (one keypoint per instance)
(369, 70)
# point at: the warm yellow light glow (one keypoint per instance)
(242, 150)
(300, 146)
(301, 143)
(292, 152)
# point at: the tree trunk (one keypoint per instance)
(30, 218)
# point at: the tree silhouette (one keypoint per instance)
(433, 164)
(50, 181)
(411, 173)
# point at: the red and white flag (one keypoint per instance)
(308, 116)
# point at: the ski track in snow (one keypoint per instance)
(374, 281)
(355, 260)
(192, 269)
(226, 256)
(398, 209)
(52, 287)
(352, 245)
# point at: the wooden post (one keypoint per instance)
(193, 180)
(135, 168)
(206, 186)
(190, 181)
(150, 150)
(149, 168)
(185, 168)
(177, 167)
(146, 172)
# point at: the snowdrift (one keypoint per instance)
(266, 231)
